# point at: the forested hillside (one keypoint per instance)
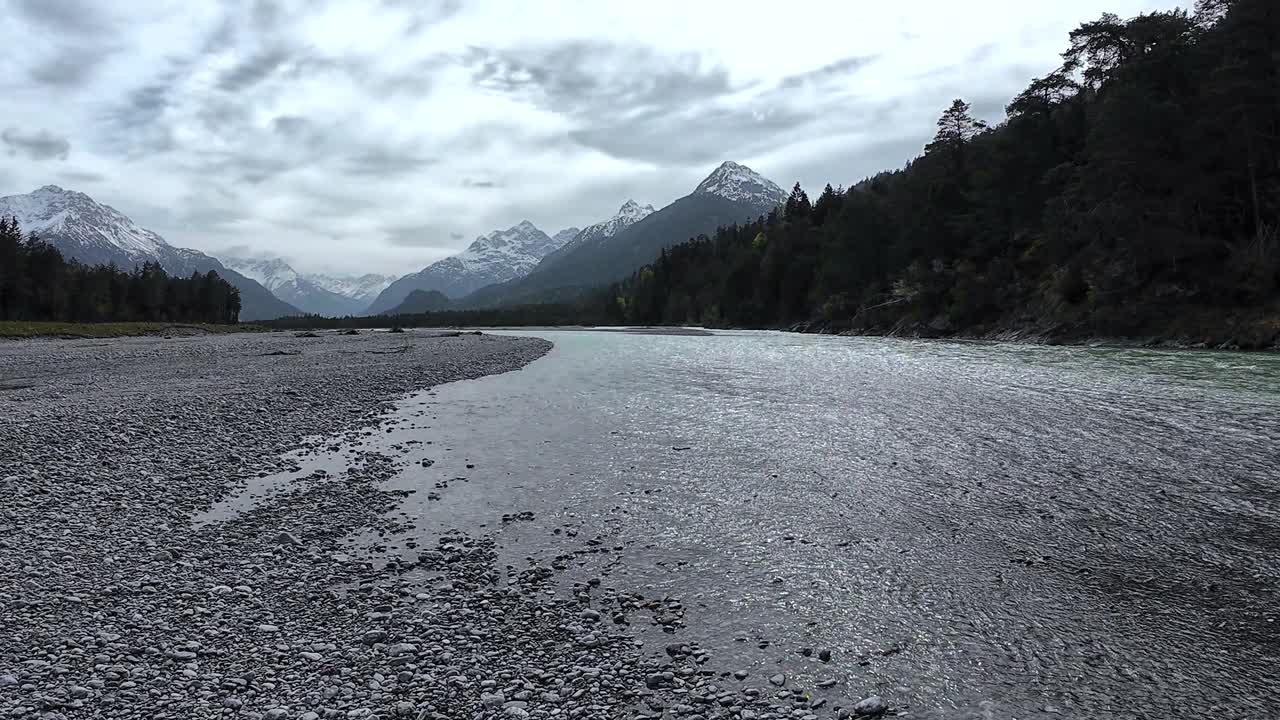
(1135, 191)
(37, 283)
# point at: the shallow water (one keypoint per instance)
(974, 530)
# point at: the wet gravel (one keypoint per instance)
(115, 602)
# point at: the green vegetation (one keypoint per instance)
(25, 329)
(1133, 192)
(37, 284)
(522, 315)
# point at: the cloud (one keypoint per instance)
(84, 177)
(830, 71)
(379, 135)
(385, 162)
(78, 17)
(253, 70)
(38, 145)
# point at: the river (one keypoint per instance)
(973, 530)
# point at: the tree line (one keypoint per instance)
(1134, 190)
(38, 284)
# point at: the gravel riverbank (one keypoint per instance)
(115, 604)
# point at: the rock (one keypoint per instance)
(275, 714)
(780, 680)
(824, 655)
(373, 637)
(287, 538)
(404, 708)
(402, 649)
(8, 681)
(870, 706)
(492, 700)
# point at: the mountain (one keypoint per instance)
(421, 301)
(325, 295)
(497, 257)
(565, 236)
(629, 214)
(96, 234)
(732, 193)
(361, 288)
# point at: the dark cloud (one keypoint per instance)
(483, 184)
(456, 236)
(71, 67)
(38, 145)
(290, 125)
(78, 17)
(82, 176)
(425, 237)
(384, 161)
(696, 136)
(831, 71)
(574, 77)
(253, 70)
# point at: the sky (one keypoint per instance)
(381, 135)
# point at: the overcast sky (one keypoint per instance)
(379, 135)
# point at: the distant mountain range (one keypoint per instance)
(497, 257)
(519, 264)
(316, 294)
(732, 193)
(93, 233)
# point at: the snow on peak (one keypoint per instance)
(565, 236)
(741, 184)
(502, 252)
(629, 214)
(76, 218)
(357, 287)
(632, 212)
(273, 273)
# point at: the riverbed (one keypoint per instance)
(968, 528)
(784, 525)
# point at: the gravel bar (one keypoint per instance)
(114, 603)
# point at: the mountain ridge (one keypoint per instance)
(97, 234)
(499, 256)
(732, 193)
(312, 293)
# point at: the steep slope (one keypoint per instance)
(297, 289)
(732, 193)
(629, 214)
(97, 234)
(421, 301)
(497, 257)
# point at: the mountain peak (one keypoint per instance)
(741, 184)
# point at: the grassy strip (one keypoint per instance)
(24, 329)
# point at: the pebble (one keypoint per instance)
(117, 446)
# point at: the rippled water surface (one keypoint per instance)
(974, 530)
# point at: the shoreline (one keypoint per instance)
(304, 604)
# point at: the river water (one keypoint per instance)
(973, 530)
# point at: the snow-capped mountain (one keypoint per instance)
(328, 295)
(500, 256)
(741, 184)
(610, 251)
(363, 288)
(565, 236)
(97, 234)
(629, 214)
